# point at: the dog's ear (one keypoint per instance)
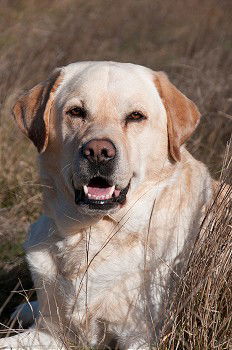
(32, 110)
(182, 114)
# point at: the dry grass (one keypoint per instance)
(201, 310)
(191, 40)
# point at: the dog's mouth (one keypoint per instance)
(99, 194)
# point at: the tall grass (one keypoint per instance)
(201, 311)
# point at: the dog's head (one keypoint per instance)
(102, 129)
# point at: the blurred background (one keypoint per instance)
(191, 40)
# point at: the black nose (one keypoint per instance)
(99, 151)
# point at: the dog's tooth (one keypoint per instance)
(116, 193)
(89, 195)
(107, 196)
(111, 191)
(85, 189)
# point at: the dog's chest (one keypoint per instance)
(101, 269)
(102, 256)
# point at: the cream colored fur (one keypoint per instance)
(103, 277)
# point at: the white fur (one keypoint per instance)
(105, 276)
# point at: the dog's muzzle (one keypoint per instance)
(98, 159)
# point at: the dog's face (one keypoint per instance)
(111, 127)
(103, 129)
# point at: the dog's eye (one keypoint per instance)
(135, 116)
(77, 112)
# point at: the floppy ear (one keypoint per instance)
(182, 114)
(32, 110)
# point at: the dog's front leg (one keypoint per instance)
(31, 340)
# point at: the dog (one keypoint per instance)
(123, 202)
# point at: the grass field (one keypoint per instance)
(192, 41)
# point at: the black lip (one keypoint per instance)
(106, 204)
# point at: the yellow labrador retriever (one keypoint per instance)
(123, 201)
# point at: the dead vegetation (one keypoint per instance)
(201, 312)
(191, 41)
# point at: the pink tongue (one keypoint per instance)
(97, 191)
